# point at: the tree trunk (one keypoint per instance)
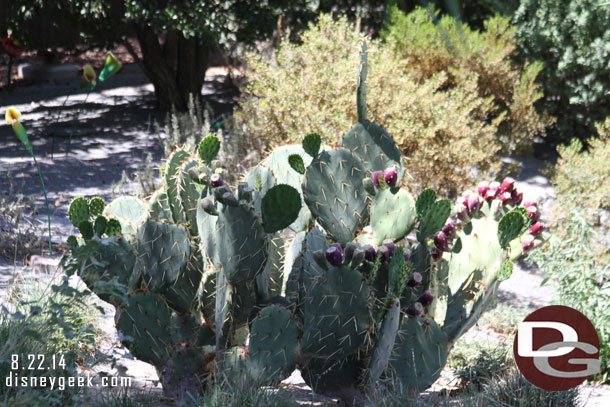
(176, 68)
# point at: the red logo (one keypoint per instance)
(556, 348)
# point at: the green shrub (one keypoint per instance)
(449, 135)
(572, 37)
(578, 254)
(431, 47)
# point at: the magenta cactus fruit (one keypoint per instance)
(449, 230)
(536, 229)
(426, 298)
(391, 176)
(507, 185)
(216, 180)
(516, 197)
(385, 253)
(369, 252)
(415, 310)
(334, 256)
(491, 195)
(440, 241)
(506, 197)
(527, 204)
(473, 203)
(389, 243)
(483, 187)
(495, 187)
(375, 177)
(415, 280)
(436, 254)
(527, 245)
(533, 213)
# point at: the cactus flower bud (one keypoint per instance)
(389, 243)
(229, 199)
(375, 177)
(216, 180)
(536, 229)
(440, 241)
(407, 254)
(491, 195)
(415, 280)
(415, 310)
(533, 213)
(369, 252)
(334, 256)
(461, 212)
(449, 230)
(483, 187)
(436, 254)
(426, 298)
(349, 250)
(507, 185)
(385, 253)
(516, 197)
(391, 176)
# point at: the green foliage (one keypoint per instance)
(435, 44)
(572, 38)
(445, 120)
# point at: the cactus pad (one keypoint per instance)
(296, 162)
(335, 195)
(78, 211)
(511, 226)
(311, 144)
(96, 206)
(208, 148)
(434, 219)
(280, 207)
(392, 214)
(273, 341)
(385, 343)
(130, 211)
(375, 146)
(163, 250)
(419, 355)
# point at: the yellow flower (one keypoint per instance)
(111, 67)
(12, 115)
(89, 77)
(12, 118)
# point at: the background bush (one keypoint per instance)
(572, 37)
(578, 252)
(449, 129)
(431, 44)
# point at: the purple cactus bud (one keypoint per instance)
(375, 177)
(216, 180)
(208, 206)
(516, 197)
(536, 229)
(527, 245)
(466, 194)
(440, 241)
(391, 176)
(369, 252)
(436, 254)
(407, 254)
(426, 298)
(350, 248)
(533, 213)
(385, 253)
(527, 204)
(483, 187)
(334, 256)
(506, 197)
(507, 185)
(415, 280)
(474, 203)
(449, 230)
(415, 310)
(389, 243)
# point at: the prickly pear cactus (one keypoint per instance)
(321, 259)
